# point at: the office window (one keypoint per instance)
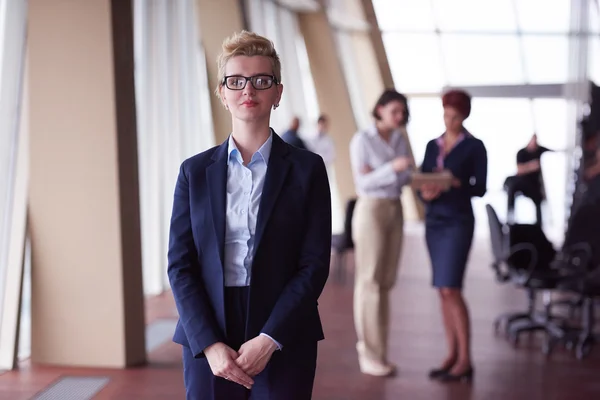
(482, 59)
(475, 16)
(416, 61)
(404, 15)
(546, 58)
(486, 46)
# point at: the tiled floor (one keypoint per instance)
(417, 343)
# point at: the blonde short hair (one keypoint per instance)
(248, 44)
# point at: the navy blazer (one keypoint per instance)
(468, 162)
(292, 250)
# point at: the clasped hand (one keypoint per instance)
(240, 366)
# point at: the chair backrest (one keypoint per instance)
(497, 235)
(584, 228)
(531, 234)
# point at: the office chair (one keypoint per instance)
(341, 244)
(580, 263)
(522, 255)
(536, 202)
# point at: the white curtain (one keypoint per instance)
(173, 117)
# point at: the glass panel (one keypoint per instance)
(404, 15)
(546, 58)
(544, 15)
(482, 59)
(550, 116)
(425, 123)
(475, 15)
(415, 61)
(504, 126)
(594, 60)
(594, 16)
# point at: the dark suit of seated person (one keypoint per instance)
(291, 135)
(250, 244)
(528, 180)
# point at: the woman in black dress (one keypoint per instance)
(449, 226)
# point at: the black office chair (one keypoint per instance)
(341, 244)
(523, 255)
(537, 202)
(580, 262)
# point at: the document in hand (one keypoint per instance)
(443, 179)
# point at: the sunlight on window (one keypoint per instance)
(475, 15)
(482, 59)
(415, 60)
(544, 15)
(407, 15)
(546, 58)
(425, 124)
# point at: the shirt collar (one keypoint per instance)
(263, 152)
(373, 132)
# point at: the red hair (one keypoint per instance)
(459, 100)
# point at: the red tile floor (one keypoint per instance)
(417, 343)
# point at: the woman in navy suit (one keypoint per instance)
(250, 245)
(449, 226)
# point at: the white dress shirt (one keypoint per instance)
(323, 145)
(369, 149)
(244, 192)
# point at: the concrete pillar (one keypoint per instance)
(217, 21)
(87, 296)
(332, 93)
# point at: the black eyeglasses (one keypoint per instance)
(259, 82)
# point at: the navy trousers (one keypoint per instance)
(289, 375)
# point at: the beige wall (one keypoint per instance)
(217, 21)
(332, 93)
(87, 300)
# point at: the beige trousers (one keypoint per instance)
(377, 233)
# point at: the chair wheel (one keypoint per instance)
(583, 349)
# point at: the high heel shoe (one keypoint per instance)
(439, 372)
(466, 376)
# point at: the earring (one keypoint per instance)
(275, 106)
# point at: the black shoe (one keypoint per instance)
(466, 376)
(438, 373)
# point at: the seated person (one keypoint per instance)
(528, 180)
(291, 135)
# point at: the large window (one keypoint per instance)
(514, 56)
(432, 44)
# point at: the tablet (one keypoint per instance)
(443, 179)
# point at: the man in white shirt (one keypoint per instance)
(322, 144)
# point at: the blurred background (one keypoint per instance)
(101, 101)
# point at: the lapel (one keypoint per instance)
(216, 176)
(276, 173)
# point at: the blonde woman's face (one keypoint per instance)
(250, 104)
